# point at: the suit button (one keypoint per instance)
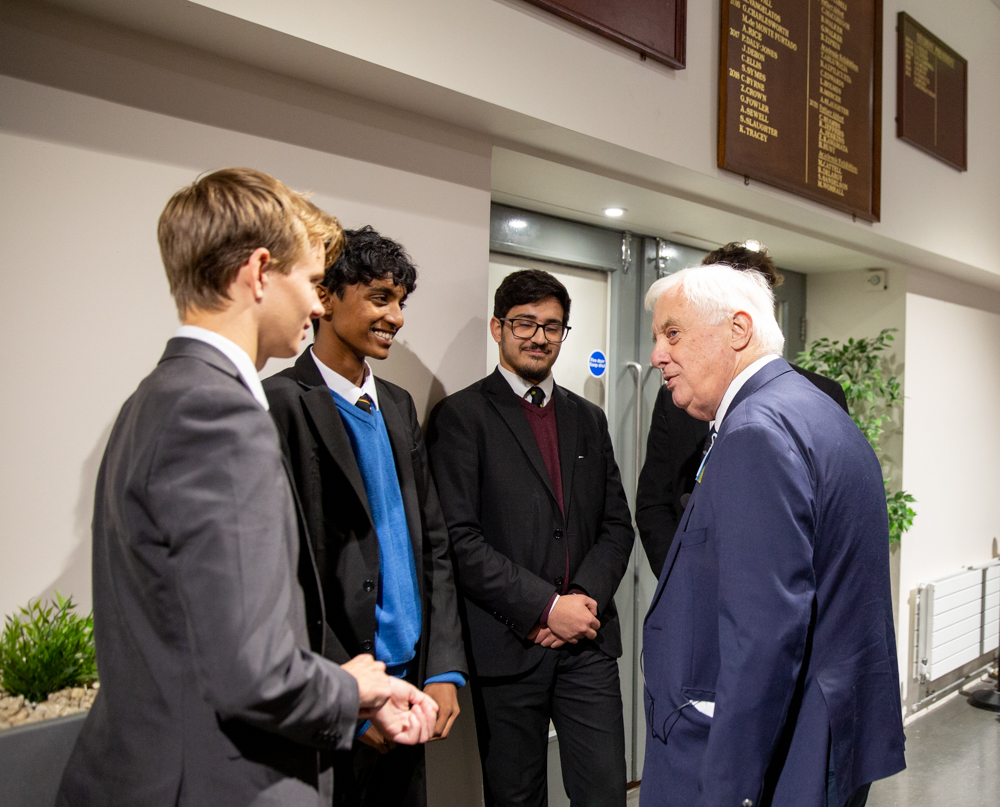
(558, 534)
(558, 581)
(368, 585)
(747, 803)
(366, 644)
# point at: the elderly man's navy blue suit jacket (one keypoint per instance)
(774, 609)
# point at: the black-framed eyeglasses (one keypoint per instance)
(526, 329)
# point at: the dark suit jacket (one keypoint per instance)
(508, 533)
(774, 604)
(209, 694)
(340, 523)
(673, 453)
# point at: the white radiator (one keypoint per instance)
(957, 620)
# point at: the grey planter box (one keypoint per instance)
(32, 759)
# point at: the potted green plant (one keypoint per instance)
(861, 367)
(48, 679)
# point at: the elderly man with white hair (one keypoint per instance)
(769, 649)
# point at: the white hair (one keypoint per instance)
(718, 291)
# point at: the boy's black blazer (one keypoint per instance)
(339, 521)
(508, 533)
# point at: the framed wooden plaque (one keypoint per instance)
(932, 94)
(800, 98)
(657, 29)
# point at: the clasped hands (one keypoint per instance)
(573, 617)
(399, 711)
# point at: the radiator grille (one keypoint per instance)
(957, 620)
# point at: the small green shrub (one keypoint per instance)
(46, 648)
(900, 513)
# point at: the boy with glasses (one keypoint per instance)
(542, 535)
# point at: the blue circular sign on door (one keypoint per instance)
(598, 363)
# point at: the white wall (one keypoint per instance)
(950, 445)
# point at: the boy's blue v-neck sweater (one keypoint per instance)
(397, 609)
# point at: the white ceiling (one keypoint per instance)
(525, 181)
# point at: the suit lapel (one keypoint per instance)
(319, 404)
(508, 406)
(401, 441)
(567, 426)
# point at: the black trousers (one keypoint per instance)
(362, 777)
(577, 687)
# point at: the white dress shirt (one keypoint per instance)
(231, 351)
(521, 385)
(347, 389)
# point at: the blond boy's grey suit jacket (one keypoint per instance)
(210, 693)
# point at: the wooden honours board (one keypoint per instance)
(931, 94)
(800, 98)
(654, 28)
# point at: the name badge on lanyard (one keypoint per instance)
(704, 459)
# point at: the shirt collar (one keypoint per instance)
(521, 385)
(231, 351)
(347, 389)
(737, 384)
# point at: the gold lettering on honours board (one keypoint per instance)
(920, 57)
(757, 23)
(834, 76)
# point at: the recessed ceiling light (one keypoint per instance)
(614, 212)
(517, 224)
(753, 246)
